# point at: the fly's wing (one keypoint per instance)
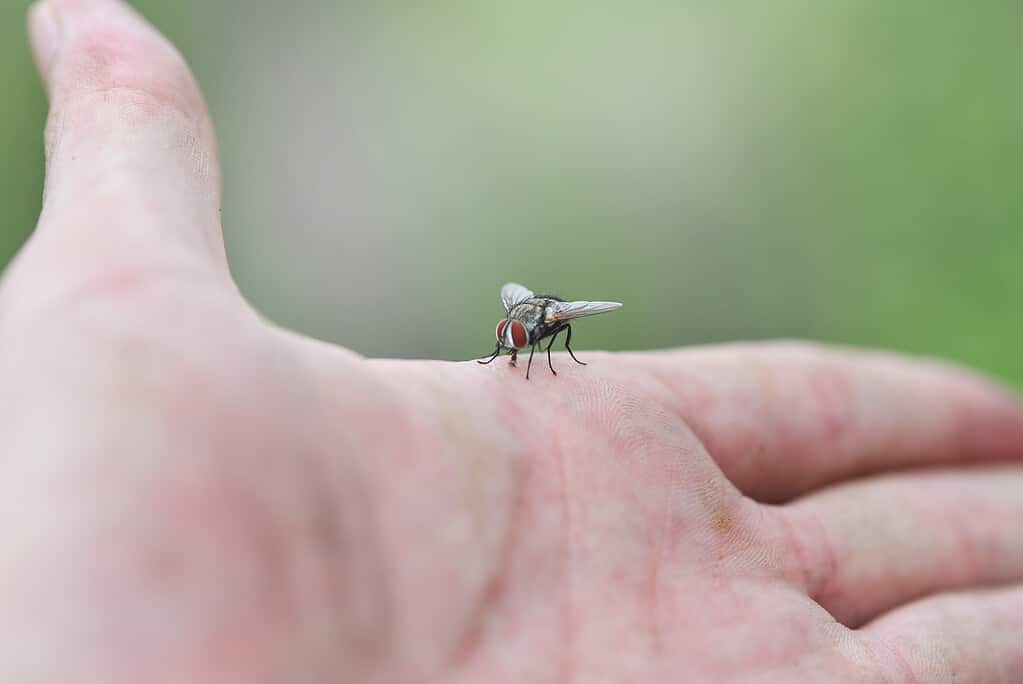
(513, 293)
(563, 311)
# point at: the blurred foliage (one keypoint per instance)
(22, 110)
(847, 171)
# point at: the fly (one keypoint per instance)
(532, 318)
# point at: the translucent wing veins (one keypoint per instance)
(563, 311)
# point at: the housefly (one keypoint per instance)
(532, 318)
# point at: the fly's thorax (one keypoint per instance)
(530, 313)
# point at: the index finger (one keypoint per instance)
(782, 419)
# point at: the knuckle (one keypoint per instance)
(139, 75)
(97, 318)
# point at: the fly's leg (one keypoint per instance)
(496, 352)
(549, 364)
(568, 341)
(530, 364)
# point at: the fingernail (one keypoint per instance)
(44, 32)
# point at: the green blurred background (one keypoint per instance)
(847, 171)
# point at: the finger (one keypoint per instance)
(132, 168)
(783, 418)
(865, 547)
(965, 637)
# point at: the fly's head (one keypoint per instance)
(512, 334)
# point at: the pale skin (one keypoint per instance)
(192, 494)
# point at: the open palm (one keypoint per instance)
(193, 494)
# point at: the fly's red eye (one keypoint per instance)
(519, 336)
(500, 329)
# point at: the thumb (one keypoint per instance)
(132, 171)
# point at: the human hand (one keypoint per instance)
(194, 495)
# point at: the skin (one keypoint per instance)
(192, 494)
